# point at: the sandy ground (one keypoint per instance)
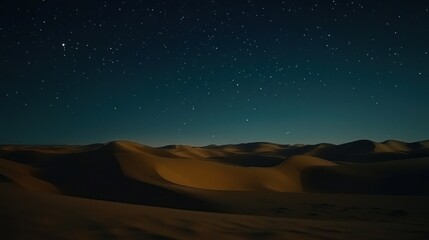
(124, 190)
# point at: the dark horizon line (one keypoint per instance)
(209, 145)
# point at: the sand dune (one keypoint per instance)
(252, 180)
(198, 173)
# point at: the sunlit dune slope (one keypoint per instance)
(200, 173)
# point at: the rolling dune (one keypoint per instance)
(268, 186)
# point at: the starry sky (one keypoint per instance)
(213, 72)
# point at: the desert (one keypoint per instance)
(126, 190)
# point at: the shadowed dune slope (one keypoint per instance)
(396, 177)
(368, 151)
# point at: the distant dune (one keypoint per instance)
(247, 179)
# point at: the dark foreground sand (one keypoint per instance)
(123, 190)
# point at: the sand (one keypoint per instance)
(125, 190)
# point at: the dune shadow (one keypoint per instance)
(408, 177)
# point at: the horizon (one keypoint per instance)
(208, 145)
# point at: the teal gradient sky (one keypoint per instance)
(213, 72)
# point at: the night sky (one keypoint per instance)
(213, 72)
